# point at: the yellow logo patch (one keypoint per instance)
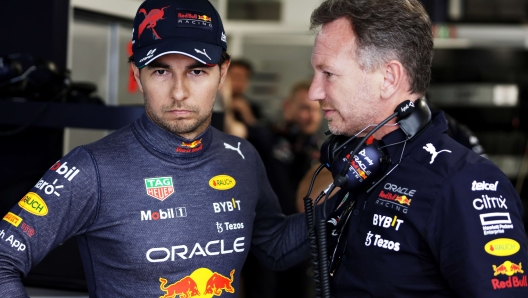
(13, 219)
(222, 182)
(34, 204)
(502, 247)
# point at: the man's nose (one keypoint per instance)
(316, 91)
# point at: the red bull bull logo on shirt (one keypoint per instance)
(201, 283)
(509, 269)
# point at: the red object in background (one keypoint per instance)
(132, 84)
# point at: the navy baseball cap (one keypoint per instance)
(188, 27)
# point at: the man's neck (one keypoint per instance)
(390, 127)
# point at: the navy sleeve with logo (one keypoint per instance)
(477, 234)
(62, 204)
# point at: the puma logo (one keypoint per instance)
(203, 53)
(431, 149)
(227, 146)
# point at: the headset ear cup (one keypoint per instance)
(328, 149)
(363, 169)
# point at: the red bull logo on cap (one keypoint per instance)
(204, 17)
(151, 20)
(201, 283)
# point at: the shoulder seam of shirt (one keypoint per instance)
(96, 168)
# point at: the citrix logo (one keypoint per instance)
(489, 203)
(227, 206)
(63, 169)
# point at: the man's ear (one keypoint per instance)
(136, 76)
(223, 73)
(394, 78)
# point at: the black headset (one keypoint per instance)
(357, 162)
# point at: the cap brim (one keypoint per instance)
(205, 53)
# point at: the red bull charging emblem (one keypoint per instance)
(509, 269)
(201, 283)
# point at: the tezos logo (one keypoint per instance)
(222, 182)
(383, 243)
(159, 188)
(229, 226)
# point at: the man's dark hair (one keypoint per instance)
(386, 30)
(225, 57)
(242, 63)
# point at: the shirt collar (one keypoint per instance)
(438, 125)
(171, 144)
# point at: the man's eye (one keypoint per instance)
(328, 74)
(161, 72)
(197, 72)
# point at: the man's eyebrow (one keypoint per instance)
(197, 64)
(158, 64)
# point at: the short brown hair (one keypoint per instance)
(386, 30)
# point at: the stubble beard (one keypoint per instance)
(181, 128)
(355, 117)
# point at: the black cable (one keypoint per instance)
(356, 150)
(324, 282)
(312, 242)
(321, 166)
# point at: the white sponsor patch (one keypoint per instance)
(476, 186)
(495, 223)
(489, 202)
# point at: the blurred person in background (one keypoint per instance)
(288, 149)
(244, 110)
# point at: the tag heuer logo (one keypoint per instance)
(159, 188)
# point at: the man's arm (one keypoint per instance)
(279, 242)
(477, 235)
(62, 204)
